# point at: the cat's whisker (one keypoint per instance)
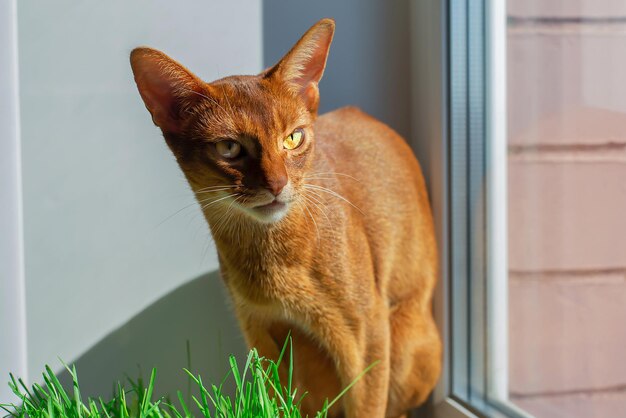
(206, 199)
(331, 173)
(322, 205)
(317, 231)
(186, 207)
(225, 218)
(223, 222)
(313, 180)
(320, 178)
(180, 210)
(216, 201)
(312, 217)
(214, 190)
(332, 193)
(317, 203)
(309, 195)
(199, 201)
(217, 187)
(216, 227)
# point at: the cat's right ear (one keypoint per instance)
(303, 66)
(167, 88)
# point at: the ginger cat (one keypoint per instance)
(322, 224)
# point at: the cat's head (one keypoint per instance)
(243, 142)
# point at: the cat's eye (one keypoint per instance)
(228, 149)
(294, 140)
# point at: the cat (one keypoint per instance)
(322, 225)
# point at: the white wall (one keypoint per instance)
(98, 179)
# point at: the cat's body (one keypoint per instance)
(343, 257)
(359, 281)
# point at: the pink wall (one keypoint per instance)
(567, 206)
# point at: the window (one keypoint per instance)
(528, 187)
(476, 197)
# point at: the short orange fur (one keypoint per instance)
(348, 262)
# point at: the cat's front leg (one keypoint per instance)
(256, 335)
(372, 401)
(353, 353)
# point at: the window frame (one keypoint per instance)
(12, 282)
(460, 84)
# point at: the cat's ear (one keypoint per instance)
(303, 66)
(167, 88)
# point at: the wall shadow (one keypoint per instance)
(197, 312)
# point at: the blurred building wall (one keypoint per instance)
(567, 206)
(103, 238)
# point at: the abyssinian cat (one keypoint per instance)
(322, 224)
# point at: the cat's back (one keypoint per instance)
(358, 144)
(351, 125)
(378, 172)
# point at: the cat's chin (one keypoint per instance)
(270, 213)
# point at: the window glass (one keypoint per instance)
(566, 62)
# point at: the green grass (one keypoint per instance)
(259, 393)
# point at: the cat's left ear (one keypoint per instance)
(167, 88)
(303, 66)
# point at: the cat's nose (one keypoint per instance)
(276, 184)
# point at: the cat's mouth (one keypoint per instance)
(269, 212)
(273, 205)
